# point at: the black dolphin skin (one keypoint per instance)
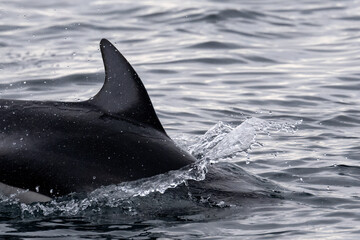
(56, 148)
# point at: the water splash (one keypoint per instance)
(115, 195)
(224, 141)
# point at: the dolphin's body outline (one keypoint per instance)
(56, 148)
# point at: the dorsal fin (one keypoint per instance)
(123, 94)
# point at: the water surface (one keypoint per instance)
(266, 94)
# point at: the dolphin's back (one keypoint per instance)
(56, 148)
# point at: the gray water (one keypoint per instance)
(266, 94)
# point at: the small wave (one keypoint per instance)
(225, 14)
(216, 45)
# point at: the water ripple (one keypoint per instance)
(204, 62)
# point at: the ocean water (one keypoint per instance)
(265, 94)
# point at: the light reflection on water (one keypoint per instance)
(204, 62)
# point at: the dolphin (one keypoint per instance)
(50, 149)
